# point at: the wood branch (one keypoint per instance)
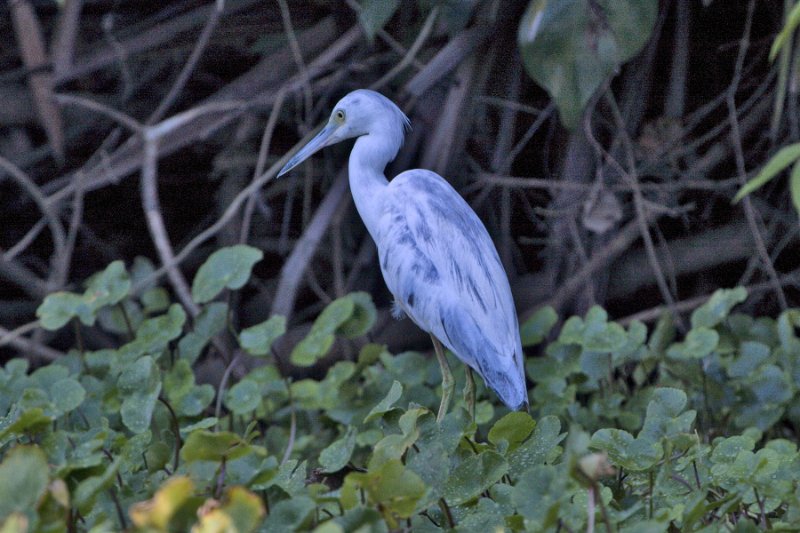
(103, 54)
(303, 252)
(260, 84)
(31, 45)
(63, 45)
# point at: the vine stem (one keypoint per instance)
(176, 430)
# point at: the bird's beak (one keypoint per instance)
(321, 140)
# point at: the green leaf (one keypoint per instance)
(386, 403)
(538, 494)
(226, 268)
(320, 339)
(211, 320)
(538, 326)
(163, 512)
(542, 443)
(718, 307)
(108, 287)
(157, 455)
(29, 421)
(665, 416)
(203, 445)
(245, 509)
(67, 394)
(155, 333)
(473, 476)
(60, 307)
(784, 36)
(794, 186)
(635, 455)
(155, 300)
(594, 333)
(89, 488)
(104, 288)
(571, 47)
(363, 317)
(393, 487)
(196, 400)
(512, 429)
(23, 479)
(699, 342)
(244, 397)
(290, 515)
(751, 355)
(257, 340)
(374, 14)
(777, 163)
(141, 385)
(337, 454)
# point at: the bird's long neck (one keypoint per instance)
(371, 153)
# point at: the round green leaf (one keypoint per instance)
(570, 47)
(535, 329)
(141, 384)
(203, 445)
(244, 397)
(23, 479)
(374, 14)
(290, 515)
(386, 404)
(473, 476)
(363, 317)
(513, 428)
(226, 268)
(257, 340)
(108, 287)
(67, 394)
(718, 307)
(60, 307)
(337, 454)
(699, 342)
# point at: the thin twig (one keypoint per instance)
(684, 306)
(64, 260)
(191, 63)
(297, 54)
(292, 423)
(29, 186)
(86, 103)
(261, 162)
(14, 338)
(158, 232)
(25, 241)
(736, 138)
(223, 383)
(408, 57)
(631, 176)
(229, 213)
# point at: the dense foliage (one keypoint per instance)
(633, 430)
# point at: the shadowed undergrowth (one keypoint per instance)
(629, 429)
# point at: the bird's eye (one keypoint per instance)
(338, 115)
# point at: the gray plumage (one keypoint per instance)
(435, 254)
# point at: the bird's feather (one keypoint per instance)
(443, 269)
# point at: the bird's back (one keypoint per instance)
(443, 269)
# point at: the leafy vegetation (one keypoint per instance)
(629, 429)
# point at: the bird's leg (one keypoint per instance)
(469, 392)
(448, 383)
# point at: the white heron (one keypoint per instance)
(435, 253)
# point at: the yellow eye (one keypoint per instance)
(338, 116)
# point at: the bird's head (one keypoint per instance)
(361, 112)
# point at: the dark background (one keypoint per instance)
(468, 114)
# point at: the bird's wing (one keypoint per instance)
(443, 269)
